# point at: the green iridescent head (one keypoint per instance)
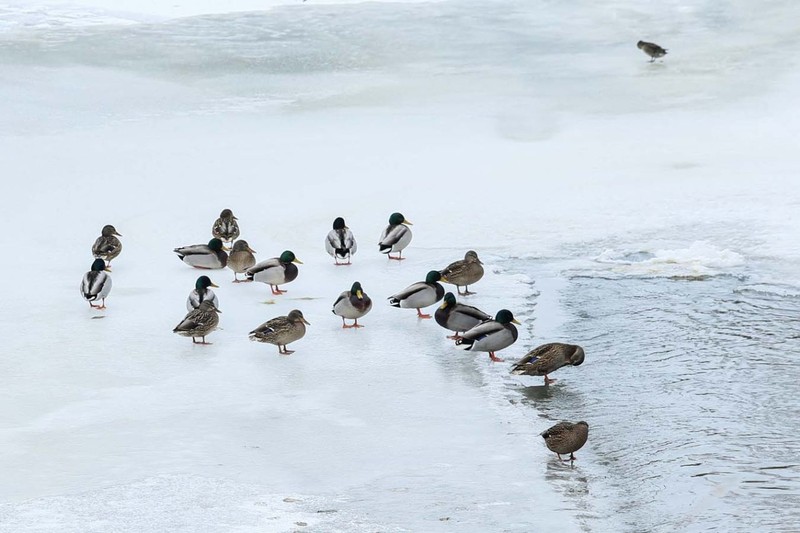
(398, 218)
(215, 245)
(449, 299)
(289, 257)
(504, 316)
(98, 265)
(204, 282)
(433, 276)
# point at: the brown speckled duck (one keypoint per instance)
(651, 49)
(548, 358)
(464, 273)
(225, 228)
(281, 330)
(566, 438)
(107, 246)
(240, 259)
(199, 322)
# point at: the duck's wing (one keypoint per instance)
(331, 242)
(472, 312)
(558, 431)
(408, 292)
(196, 319)
(483, 329)
(392, 235)
(454, 269)
(105, 246)
(194, 249)
(271, 327)
(350, 241)
(263, 265)
(91, 285)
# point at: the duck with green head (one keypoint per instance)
(458, 317)
(107, 246)
(340, 243)
(352, 305)
(420, 294)
(202, 293)
(281, 330)
(96, 284)
(275, 271)
(209, 256)
(464, 273)
(548, 358)
(241, 259)
(491, 336)
(199, 322)
(396, 236)
(226, 227)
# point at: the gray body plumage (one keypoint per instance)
(349, 306)
(201, 256)
(460, 317)
(395, 238)
(488, 336)
(272, 272)
(95, 286)
(417, 296)
(197, 297)
(340, 243)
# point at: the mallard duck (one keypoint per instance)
(240, 259)
(464, 273)
(458, 317)
(651, 49)
(396, 236)
(352, 304)
(275, 271)
(548, 358)
(225, 228)
(281, 330)
(199, 322)
(566, 438)
(340, 243)
(202, 293)
(96, 284)
(210, 256)
(420, 294)
(107, 246)
(491, 336)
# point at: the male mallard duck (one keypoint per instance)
(396, 236)
(211, 255)
(202, 293)
(420, 294)
(458, 317)
(225, 228)
(566, 438)
(96, 284)
(199, 322)
(464, 273)
(275, 271)
(651, 49)
(241, 258)
(107, 246)
(548, 358)
(352, 304)
(491, 336)
(340, 243)
(281, 330)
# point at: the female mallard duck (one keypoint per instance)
(396, 236)
(107, 246)
(281, 330)
(420, 294)
(340, 243)
(96, 284)
(275, 271)
(491, 336)
(240, 259)
(211, 255)
(548, 358)
(225, 228)
(651, 49)
(202, 293)
(199, 322)
(458, 317)
(566, 438)
(464, 273)
(352, 304)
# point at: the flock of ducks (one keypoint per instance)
(473, 329)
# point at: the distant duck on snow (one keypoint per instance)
(96, 284)
(396, 236)
(464, 273)
(107, 246)
(281, 331)
(211, 255)
(651, 49)
(352, 304)
(340, 243)
(226, 228)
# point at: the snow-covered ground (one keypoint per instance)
(110, 422)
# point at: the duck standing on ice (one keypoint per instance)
(420, 294)
(211, 255)
(651, 49)
(396, 236)
(226, 227)
(96, 284)
(107, 246)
